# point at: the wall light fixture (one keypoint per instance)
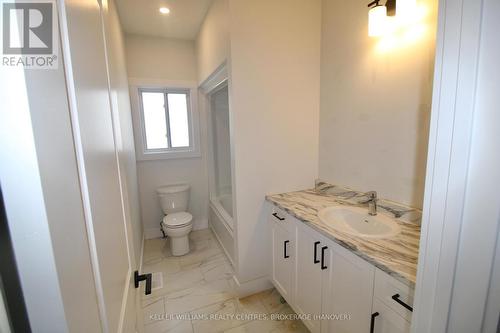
(377, 16)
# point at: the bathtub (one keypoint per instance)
(221, 222)
(226, 202)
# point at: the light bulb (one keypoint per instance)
(405, 8)
(377, 21)
(164, 10)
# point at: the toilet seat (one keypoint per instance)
(177, 220)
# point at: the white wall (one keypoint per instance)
(274, 101)
(212, 42)
(375, 103)
(160, 58)
(167, 62)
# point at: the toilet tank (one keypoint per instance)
(173, 198)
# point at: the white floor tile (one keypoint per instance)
(200, 283)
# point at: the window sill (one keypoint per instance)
(153, 156)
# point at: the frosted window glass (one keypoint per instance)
(155, 122)
(179, 123)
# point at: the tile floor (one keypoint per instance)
(198, 294)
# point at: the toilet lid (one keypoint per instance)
(177, 219)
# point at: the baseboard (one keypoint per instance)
(152, 233)
(252, 287)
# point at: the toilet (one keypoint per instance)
(177, 222)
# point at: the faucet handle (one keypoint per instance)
(371, 194)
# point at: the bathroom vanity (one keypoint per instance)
(339, 281)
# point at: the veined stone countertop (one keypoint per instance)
(397, 255)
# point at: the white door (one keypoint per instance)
(350, 292)
(386, 320)
(308, 276)
(283, 260)
(103, 190)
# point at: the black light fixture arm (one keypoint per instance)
(390, 4)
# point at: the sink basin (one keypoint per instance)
(356, 221)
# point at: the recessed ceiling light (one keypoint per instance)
(164, 10)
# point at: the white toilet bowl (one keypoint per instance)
(177, 227)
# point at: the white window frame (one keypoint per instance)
(144, 154)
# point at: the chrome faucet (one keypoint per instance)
(372, 202)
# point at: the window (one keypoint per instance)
(166, 123)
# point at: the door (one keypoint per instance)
(103, 179)
(283, 260)
(308, 276)
(350, 292)
(13, 314)
(386, 320)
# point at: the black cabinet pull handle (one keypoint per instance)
(372, 322)
(149, 281)
(316, 261)
(285, 255)
(278, 217)
(323, 249)
(396, 298)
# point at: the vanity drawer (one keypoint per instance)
(393, 293)
(280, 217)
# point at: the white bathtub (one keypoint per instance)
(221, 222)
(226, 202)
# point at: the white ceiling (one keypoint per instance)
(142, 17)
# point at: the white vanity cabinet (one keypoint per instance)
(321, 279)
(392, 305)
(283, 256)
(386, 320)
(311, 274)
(349, 292)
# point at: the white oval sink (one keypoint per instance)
(356, 221)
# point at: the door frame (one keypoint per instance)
(219, 79)
(450, 142)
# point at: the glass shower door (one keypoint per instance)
(222, 149)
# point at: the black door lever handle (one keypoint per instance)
(149, 281)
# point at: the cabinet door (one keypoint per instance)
(388, 321)
(283, 260)
(309, 276)
(350, 293)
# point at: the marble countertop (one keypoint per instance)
(396, 256)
